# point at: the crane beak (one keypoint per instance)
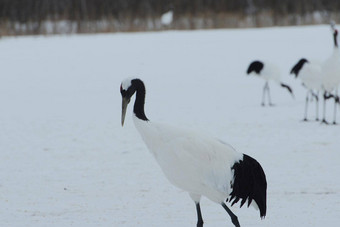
(125, 102)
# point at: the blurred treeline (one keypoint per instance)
(20, 17)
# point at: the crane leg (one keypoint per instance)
(335, 105)
(233, 217)
(324, 110)
(264, 93)
(306, 106)
(199, 215)
(325, 97)
(270, 100)
(317, 105)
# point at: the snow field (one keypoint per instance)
(65, 160)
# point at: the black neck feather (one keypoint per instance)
(138, 107)
(255, 66)
(296, 69)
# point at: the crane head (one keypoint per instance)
(126, 90)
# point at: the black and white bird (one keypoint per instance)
(268, 72)
(167, 17)
(331, 75)
(309, 72)
(200, 165)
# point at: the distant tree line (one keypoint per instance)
(19, 17)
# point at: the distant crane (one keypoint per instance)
(331, 75)
(311, 76)
(167, 18)
(267, 71)
(196, 163)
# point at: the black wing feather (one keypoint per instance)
(249, 184)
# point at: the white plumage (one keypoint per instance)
(331, 76)
(311, 76)
(331, 71)
(166, 18)
(269, 72)
(196, 163)
(331, 67)
(189, 160)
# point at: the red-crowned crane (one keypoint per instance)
(309, 72)
(331, 76)
(268, 72)
(167, 17)
(200, 165)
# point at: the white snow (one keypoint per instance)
(65, 160)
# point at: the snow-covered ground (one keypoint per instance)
(65, 160)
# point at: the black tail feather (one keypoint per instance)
(327, 95)
(249, 184)
(288, 88)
